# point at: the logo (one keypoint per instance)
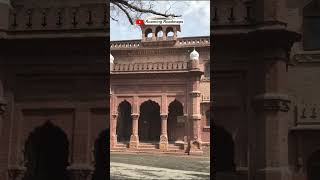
(160, 21)
(139, 22)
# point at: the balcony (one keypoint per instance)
(86, 20)
(150, 67)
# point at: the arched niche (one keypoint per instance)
(46, 153)
(313, 165)
(148, 34)
(101, 153)
(124, 121)
(149, 121)
(175, 128)
(119, 100)
(170, 33)
(159, 33)
(224, 150)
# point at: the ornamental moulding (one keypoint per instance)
(272, 102)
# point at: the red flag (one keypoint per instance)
(139, 22)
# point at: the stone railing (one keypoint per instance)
(205, 98)
(125, 44)
(194, 41)
(181, 42)
(306, 57)
(93, 16)
(307, 114)
(154, 66)
(232, 13)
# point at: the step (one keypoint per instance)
(117, 149)
(121, 145)
(148, 146)
(176, 146)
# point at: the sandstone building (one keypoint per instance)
(53, 92)
(265, 89)
(160, 92)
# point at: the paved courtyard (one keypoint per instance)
(159, 166)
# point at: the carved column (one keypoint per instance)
(164, 144)
(195, 119)
(134, 138)
(80, 172)
(154, 34)
(271, 105)
(16, 173)
(81, 167)
(194, 108)
(113, 130)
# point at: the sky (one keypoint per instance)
(196, 16)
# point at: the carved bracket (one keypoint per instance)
(271, 102)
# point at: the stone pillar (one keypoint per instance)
(80, 172)
(154, 38)
(164, 144)
(195, 119)
(134, 138)
(174, 34)
(81, 167)
(195, 146)
(16, 173)
(113, 130)
(271, 105)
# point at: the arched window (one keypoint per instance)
(207, 70)
(159, 33)
(148, 34)
(311, 26)
(169, 33)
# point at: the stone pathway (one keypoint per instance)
(129, 171)
(155, 166)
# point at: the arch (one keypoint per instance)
(101, 148)
(46, 153)
(169, 32)
(224, 150)
(311, 26)
(124, 121)
(175, 109)
(159, 32)
(149, 121)
(148, 34)
(313, 166)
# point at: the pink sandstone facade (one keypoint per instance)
(160, 92)
(53, 118)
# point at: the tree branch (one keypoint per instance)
(138, 9)
(124, 10)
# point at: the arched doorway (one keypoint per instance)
(101, 148)
(124, 122)
(313, 166)
(149, 121)
(174, 129)
(224, 150)
(46, 154)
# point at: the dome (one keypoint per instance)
(111, 59)
(194, 55)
